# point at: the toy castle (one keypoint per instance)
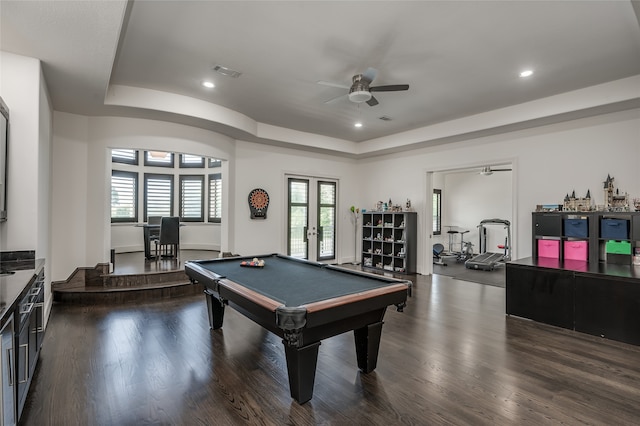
(613, 200)
(573, 204)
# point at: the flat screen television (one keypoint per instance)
(4, 141)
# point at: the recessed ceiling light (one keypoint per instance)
(358, 124)
(526, 73)
(208, 84)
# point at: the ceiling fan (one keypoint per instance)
(488, 170)
(360, 89)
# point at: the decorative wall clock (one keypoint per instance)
(258, 203)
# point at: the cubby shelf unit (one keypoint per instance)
(389, 241)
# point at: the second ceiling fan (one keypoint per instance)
(360, 89)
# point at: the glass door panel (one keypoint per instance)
(298, 218)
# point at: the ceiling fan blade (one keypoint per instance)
(336, 99)
(500, 170)
(372, 102)
(389, 88)
(369, 74)
(330, 84)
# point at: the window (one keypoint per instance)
(191, 161)
(214, 162)
(126, 156)
(215, 197)
(124, 196)
(158, 159)
(326, 220)
(192, 198)
(437, 211)
(158, 195)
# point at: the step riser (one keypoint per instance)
(119, 281)
(126, 296)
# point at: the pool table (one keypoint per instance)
(303, 302)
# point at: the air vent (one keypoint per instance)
(226, 71)
(385, 118)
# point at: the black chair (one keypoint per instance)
(169, 241)
(438, 249)
(154, 233)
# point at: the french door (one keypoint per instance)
(311, 218)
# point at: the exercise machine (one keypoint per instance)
(488, 261)
(466, 249)
(438, 250)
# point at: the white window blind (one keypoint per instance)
(215, 197)
(128, 156)
(158, 192)
(124, 196)
(192, 198)
(189, 160)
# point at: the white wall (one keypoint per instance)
(548, 162)
(21, 91)
(260, 166)
(24, 90)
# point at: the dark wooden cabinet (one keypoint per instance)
(598, 294)
(548, 224)
(608, 307)
(544, 295)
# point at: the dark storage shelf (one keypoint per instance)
(559, 226)
(599, 295)
(384, 236)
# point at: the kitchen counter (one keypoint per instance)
(13, 284)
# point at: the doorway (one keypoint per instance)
(311, 218)
(468, 196)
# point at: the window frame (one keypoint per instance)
(136, 185)
(436, 224)
(183, 165)
(124, 160)
(150, 162)
(211, 177)
(159, 176)
(192, 178)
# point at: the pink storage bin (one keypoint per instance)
(549, 248)
(576, 250)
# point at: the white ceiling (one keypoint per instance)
(460, 58)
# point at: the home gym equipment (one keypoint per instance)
(488, 261)
(466, 252)
(438, 250)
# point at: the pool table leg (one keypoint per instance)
(367, 345)
(301, 365)
(215, 309)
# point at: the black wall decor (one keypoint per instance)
(258, 203)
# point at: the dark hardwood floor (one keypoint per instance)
(452, 357)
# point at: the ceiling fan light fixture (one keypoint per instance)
(359, 96)
(358, 124)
